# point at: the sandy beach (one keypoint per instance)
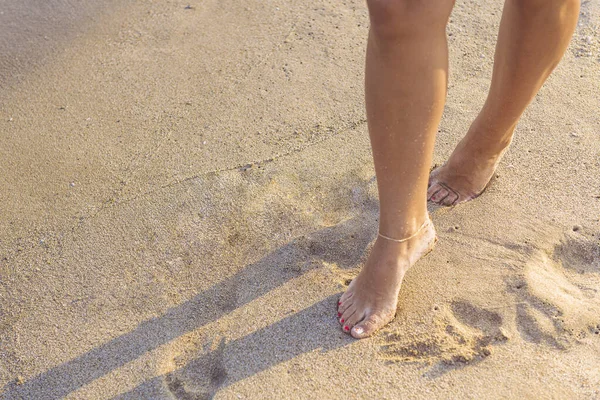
(187, 187)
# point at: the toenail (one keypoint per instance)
(342, 321)
(339, 303)
(339, 314)
(358, 331)
(346, 328)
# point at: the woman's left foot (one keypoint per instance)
(371, 299)
(467, 172)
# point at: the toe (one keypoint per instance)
(432, 189)
(439, 195)
(346, 316)
(344, 306)
(451, 199)
(368, 326)
(349, 322)
(345, 297)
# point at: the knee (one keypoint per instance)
(391, 19)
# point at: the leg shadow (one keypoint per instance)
(311, 329)
(344, 244)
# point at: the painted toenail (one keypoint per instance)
(346, 328)
(339, 303)
(342, 321)
(339, 314)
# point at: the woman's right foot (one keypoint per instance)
(467, 172)
(372, 297)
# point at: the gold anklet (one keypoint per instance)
(427, 222)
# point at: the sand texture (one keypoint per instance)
(186, 187)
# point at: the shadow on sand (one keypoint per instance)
(201, 378)
(343, 244)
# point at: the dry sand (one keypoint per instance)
(185, 191)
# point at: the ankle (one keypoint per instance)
(404, 229)
(488, 143)
(488, 139)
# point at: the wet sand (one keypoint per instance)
(187, 187)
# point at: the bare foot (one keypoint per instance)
(467, 172)
(371, 299)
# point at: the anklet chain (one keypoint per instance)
(427, 222)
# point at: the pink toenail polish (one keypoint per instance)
(342, 321)
(346, 328)
(339, 314)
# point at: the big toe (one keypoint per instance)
(369, 325)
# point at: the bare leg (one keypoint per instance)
(406, 76)
(533, 37)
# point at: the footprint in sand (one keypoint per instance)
(462, 333)
(578, 252)
(557, 300)
(199, 379)
(556, 304)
